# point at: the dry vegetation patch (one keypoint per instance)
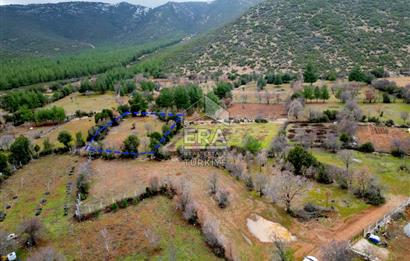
(88, 103)
(118, 179)
(255, 111)
(400, 81)
(382, 137)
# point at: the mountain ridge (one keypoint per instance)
(56, 28)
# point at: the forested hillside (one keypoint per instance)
(26, 71)
(285, 34)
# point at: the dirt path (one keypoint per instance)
(353, 226)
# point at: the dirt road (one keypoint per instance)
(348, 229)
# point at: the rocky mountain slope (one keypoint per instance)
(286, 34)
(55, 28)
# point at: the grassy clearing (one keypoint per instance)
(118, 134)
(97, 102)
(390, 110)
(126, 229)
(332, 196)
(74, 126)
(36, 176)
(234, 134)
(276, 92)
(132, 177)
(385, 167)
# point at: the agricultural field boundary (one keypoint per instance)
(93, 149)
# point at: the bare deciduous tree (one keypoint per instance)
(153, 239)
(279, 145)
(260, 183)
(148, 128)
(347, 125)
(154, 184)
(347, 157)
(332, 142)
(280, 250)
(362, 180)
(261, 158)
(295, 109)
(106, 241)
(370, 95)
(337, 251)
(213, 237)
(268, 96)
(296, 86)
(244, 98)
(286, 187)
(404, 115)
(213, 184)
(222, 197)
(31, 232)
(46, 254)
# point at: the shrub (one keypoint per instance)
(251, 144)
(222, 197)
(342, 181)
(366, 147)
(249, 182)
(373, 195)
(65, 138)
(323, 176)
(260, 120)
(83, 185)
(386, 98)
(123, 203)
(20, 151)
(397, 152)
(331, 114)
(130, 146)
(114, 207)
(389, 123)
(300, 158)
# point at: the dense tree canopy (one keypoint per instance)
(20, 151)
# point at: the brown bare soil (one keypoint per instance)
(316, 133)
(383, 137)
(400, 81)
(116, 179)
(344, 229)
(253, 111)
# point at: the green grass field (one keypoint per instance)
(74, 126)
(345, 203)
(80, 240)
(385, 167)
(95, 102)
(233, 134)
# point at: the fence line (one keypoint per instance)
(374, 227)
(386, 218)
